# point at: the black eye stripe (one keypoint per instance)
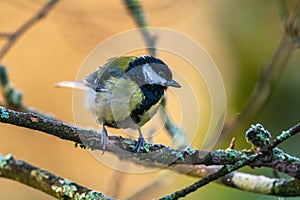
(162, 70)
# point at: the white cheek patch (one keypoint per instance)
(151, 76)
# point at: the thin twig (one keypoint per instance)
(285, 135)
(13, 37)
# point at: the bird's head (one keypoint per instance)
(147, 70)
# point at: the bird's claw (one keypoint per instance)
(104, 139)
(140, 144)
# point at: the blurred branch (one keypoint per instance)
(282, 9)
(12, 96)
(137, 13)
(160, 156)
(116, 182)
(272, 72)
(160, 182)
(42, 180)
(13, 37)
(4, 35)
(177, 134)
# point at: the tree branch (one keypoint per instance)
(152, 155)
(259, 138)
(42, 180)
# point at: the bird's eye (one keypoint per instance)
(161, 73)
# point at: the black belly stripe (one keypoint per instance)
(153, 94)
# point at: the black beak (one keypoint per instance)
(173, 83)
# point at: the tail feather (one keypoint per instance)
(73, 84)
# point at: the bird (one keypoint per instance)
(125, 92)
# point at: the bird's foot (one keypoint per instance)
(104, 139)
(140, 144)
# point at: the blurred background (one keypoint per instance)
(241, 36)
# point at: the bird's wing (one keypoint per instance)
(115, 67)
(121, 62)
(97, 79)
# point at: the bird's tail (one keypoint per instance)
(73, 84)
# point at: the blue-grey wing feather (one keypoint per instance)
(96, 80)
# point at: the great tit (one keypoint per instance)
(125, 92)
